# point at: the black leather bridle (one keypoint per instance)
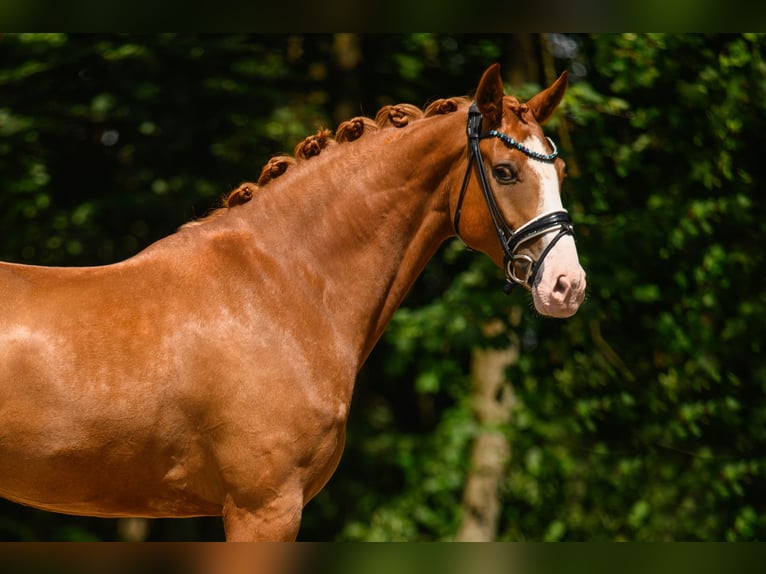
(520, 268)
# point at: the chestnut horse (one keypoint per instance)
(211, 374)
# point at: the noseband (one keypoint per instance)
(520, 268)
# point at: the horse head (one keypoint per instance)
(509, 205)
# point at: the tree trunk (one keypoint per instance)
(521, 65)
(345, 86)
(491, 452)
(133, 529)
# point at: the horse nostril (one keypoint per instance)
(562, 285)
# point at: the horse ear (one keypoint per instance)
(489, 96)
(545, 103)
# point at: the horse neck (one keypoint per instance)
(355, 226)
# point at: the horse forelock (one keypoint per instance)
(519, 109)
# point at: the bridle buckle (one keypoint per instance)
(520, 268)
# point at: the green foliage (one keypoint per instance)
(641, 418)
(93, 125)
(658, 382)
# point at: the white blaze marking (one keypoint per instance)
(550, 198)
(563, 257)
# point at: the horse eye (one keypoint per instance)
(504, 173)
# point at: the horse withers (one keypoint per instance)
(212, 373)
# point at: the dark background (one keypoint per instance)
(641, 418)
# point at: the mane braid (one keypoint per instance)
(274, 168)
(444, 106)
(242, 194)
(397, 116)
(314, 144)
(354, 128)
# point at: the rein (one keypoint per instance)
(520, 268)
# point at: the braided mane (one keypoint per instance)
(389, 116)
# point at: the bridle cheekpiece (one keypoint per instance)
(520, 268)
